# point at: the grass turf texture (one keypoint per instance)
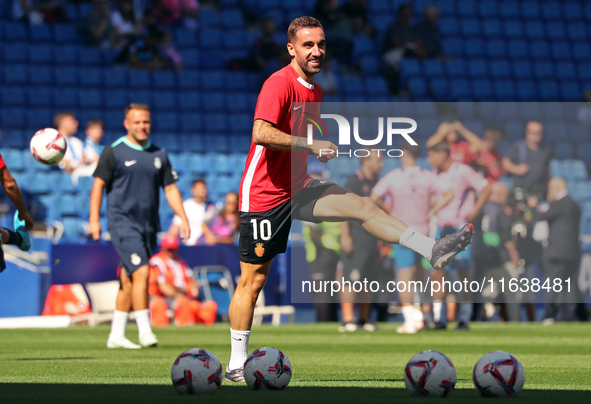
(73, 365)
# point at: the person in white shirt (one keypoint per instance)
(67, 124)
(95, 130)
(198, 211)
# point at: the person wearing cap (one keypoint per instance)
(172, 285)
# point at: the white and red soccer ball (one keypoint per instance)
(267, 369)
(196, 371)
(430, 374)
(48, 146)
(498, 374)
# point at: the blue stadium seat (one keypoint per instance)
(66, 76)
(241, 124)
(192, 123)
(577, 31)
(452, 46)
(483, 90)
(64, 184)
(41, 54)
(576, 169)
(556, 168)
(73, 230)
(13, 118)
(584, 71)
(530, 110)
(221, 163)
(526, 90)
(91, 77)
(478, 68)
(40, 97)
(351, 85)
(68, 55)
(513, 29)
(210, 38)
(376, 86)
(85, 185)
(232, 19)
(410, 68)
(90, 56)
(470, 27)
(556, 30)
(139, 79)
(548, 90)
(418, 87)
(570, 91)
(235, 81)
(216, 123)
(65, 98)
(189, 80)
(522, 69)
(164, 100)
(363, 45)
(544, 70)
(116, 99)
(217, 144)
(555, 132)
(213, 81)
(238, 102)
(460, 90)
(530, 10)
(40, 182)
(539, 50)
(190, 58)
(15, 31)
(16, 53)
(194, 144)
(39, 118)
(65, 33)
(185, 38)
(456, 68)
(189, 101)
(561, 51)
(90, 99)
(584, 152)
(449, 26)
(164, 80)
(213, 102)
(582, 51)
(491, 28)
(505, 90)
(500, 69)
(13, 158)
(13, 97)
(552, 10)
(113, 120)
(556, 112)
(518, 49)
(488, 9)
(209, 18)
(535, 30)
(41, 75)
(234, 39)
(15, 139)
(370, 65)
(40, 33)
(115, 78)
(566, 71)
(166, 121)
(496, 49)
(433, 68)
(572, 11)
(474, 47)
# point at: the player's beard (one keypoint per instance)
(309, 70)
(140, 138)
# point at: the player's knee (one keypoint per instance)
(367, 208)
(257, 283)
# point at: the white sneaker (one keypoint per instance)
(406, 329)
(148, 340)
(121, 342)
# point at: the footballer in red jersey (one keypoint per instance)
(276, 189)
(22, 219)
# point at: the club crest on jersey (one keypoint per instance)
(157, 163)
(259, 250)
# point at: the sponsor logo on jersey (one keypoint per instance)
(129, 163)
(157, 163)
(136, 259)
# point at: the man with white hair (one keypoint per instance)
(562, 254)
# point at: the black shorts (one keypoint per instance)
(133, 247)
(362, 263)
(263, 235)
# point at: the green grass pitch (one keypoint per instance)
(74, 366)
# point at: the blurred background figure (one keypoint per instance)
(97, 27)
(562, 254)
(173, 286)
(223, 228)
(67, 124)
(37, 12)
(198, 210)
(428, 41)
(95, 130)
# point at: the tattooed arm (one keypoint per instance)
(266, 134)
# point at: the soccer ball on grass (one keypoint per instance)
(430, 374)
(498, 374)
(196, 371)
(267, 369)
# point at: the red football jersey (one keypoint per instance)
(269, 177)
(2, 163)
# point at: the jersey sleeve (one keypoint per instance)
(106, 165)
(2, 163)
(476, 181)
(170, 176)
(273, 100)
(382, 188)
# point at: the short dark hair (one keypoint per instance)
(98, 122)
(413, 150)
(141, 107)
(299, 23)
(441, 146)
(198, 181)
(58, 118)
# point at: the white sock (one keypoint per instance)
(119, 324)
(437, 306)
(465, 312)
(239, 348)
(412, 239)
(142, 319)
(408, 312)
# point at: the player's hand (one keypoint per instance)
(521, 169)
(323, 150)
(95, 230)
(185, 231)
(346, 244)
(471, 216)
(28, 220)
